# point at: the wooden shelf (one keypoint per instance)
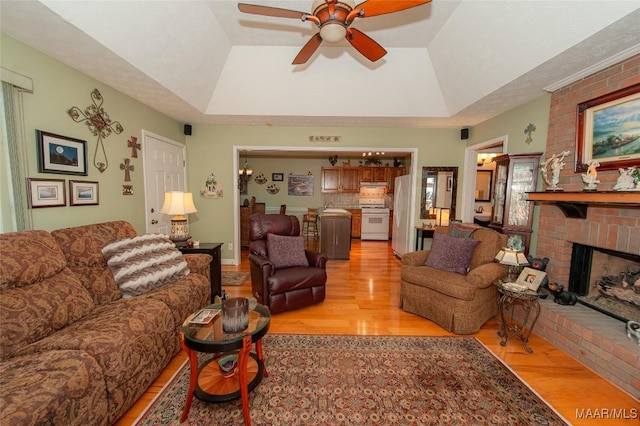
(575, 204)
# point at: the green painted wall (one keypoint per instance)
(513, 124)
(57, 88)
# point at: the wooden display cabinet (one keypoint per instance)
(516, 174)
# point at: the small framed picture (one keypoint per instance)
(531, 278)
(83, 193)
(277, 177)
(46, 193)
(61, 154)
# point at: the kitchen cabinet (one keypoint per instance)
(392, 174)
(245, 212)
(356, 222)
(335, 238)
(373, 174)
(340, 180)
(516, 174)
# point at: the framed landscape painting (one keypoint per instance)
(61, 154)
(609, 130)
(46, 193)
(83, 193)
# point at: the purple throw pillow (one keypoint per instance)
(286, 251)
(451, 254)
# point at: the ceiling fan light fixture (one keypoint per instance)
(333, 32)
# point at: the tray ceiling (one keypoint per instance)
(450, 63)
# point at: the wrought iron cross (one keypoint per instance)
(99, 123)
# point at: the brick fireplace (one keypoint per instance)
(593, 338)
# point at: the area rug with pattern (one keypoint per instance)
(368, 380)
(234, 278)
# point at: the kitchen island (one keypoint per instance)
(335, 235)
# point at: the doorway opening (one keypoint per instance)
(289, 152)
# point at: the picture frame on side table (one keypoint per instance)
(61, 154)
(531, 278)
(83, 193)
(606, 131)
(46, 193)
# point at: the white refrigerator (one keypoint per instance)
(401, 240)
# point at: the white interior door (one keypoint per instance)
(164, 170)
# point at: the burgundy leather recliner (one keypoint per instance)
(283, 289)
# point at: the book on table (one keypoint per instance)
(204, 316)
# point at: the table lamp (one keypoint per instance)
(514, 258)
(178, 203)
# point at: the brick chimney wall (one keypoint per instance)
(605, 227)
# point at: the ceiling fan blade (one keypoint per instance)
(380, 7)
(308, 50)
(270, 11)
(365, 45)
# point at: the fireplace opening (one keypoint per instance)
(606, 280)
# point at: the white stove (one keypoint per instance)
(375, 215)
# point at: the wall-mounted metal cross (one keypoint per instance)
(128, 168)
(134, 145)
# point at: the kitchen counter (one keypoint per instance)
(332, 211)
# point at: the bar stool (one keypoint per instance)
(310, 222)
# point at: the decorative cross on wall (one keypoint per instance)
(99, 123)
(128, 168)
(529, 131)
(134, 145)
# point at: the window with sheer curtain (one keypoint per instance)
(14, 212)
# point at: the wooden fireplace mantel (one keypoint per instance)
(575, 204)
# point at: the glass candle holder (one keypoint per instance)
(235, 314)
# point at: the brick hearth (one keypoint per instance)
(595, 339)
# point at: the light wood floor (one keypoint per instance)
(362, 298)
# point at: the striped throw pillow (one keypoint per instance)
(144, 263)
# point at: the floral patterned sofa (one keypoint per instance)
(73, 351)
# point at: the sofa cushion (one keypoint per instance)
(141, 264)
(57, 387)
(285, 251)
(463, 230)
(82, 246)
(38, 293)
(451, 254)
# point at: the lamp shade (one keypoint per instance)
(178, 203)
(512, 257)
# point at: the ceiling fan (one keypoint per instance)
(333, 18)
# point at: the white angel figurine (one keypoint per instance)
(556, 163)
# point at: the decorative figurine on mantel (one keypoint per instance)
(629, 179)
(590, 178)
(556, 163)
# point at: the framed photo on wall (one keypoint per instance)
(277, 177)
(83, 193)
(46, 193)
(61, 154)
(608, 130)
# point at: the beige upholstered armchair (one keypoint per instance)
(457, 302)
